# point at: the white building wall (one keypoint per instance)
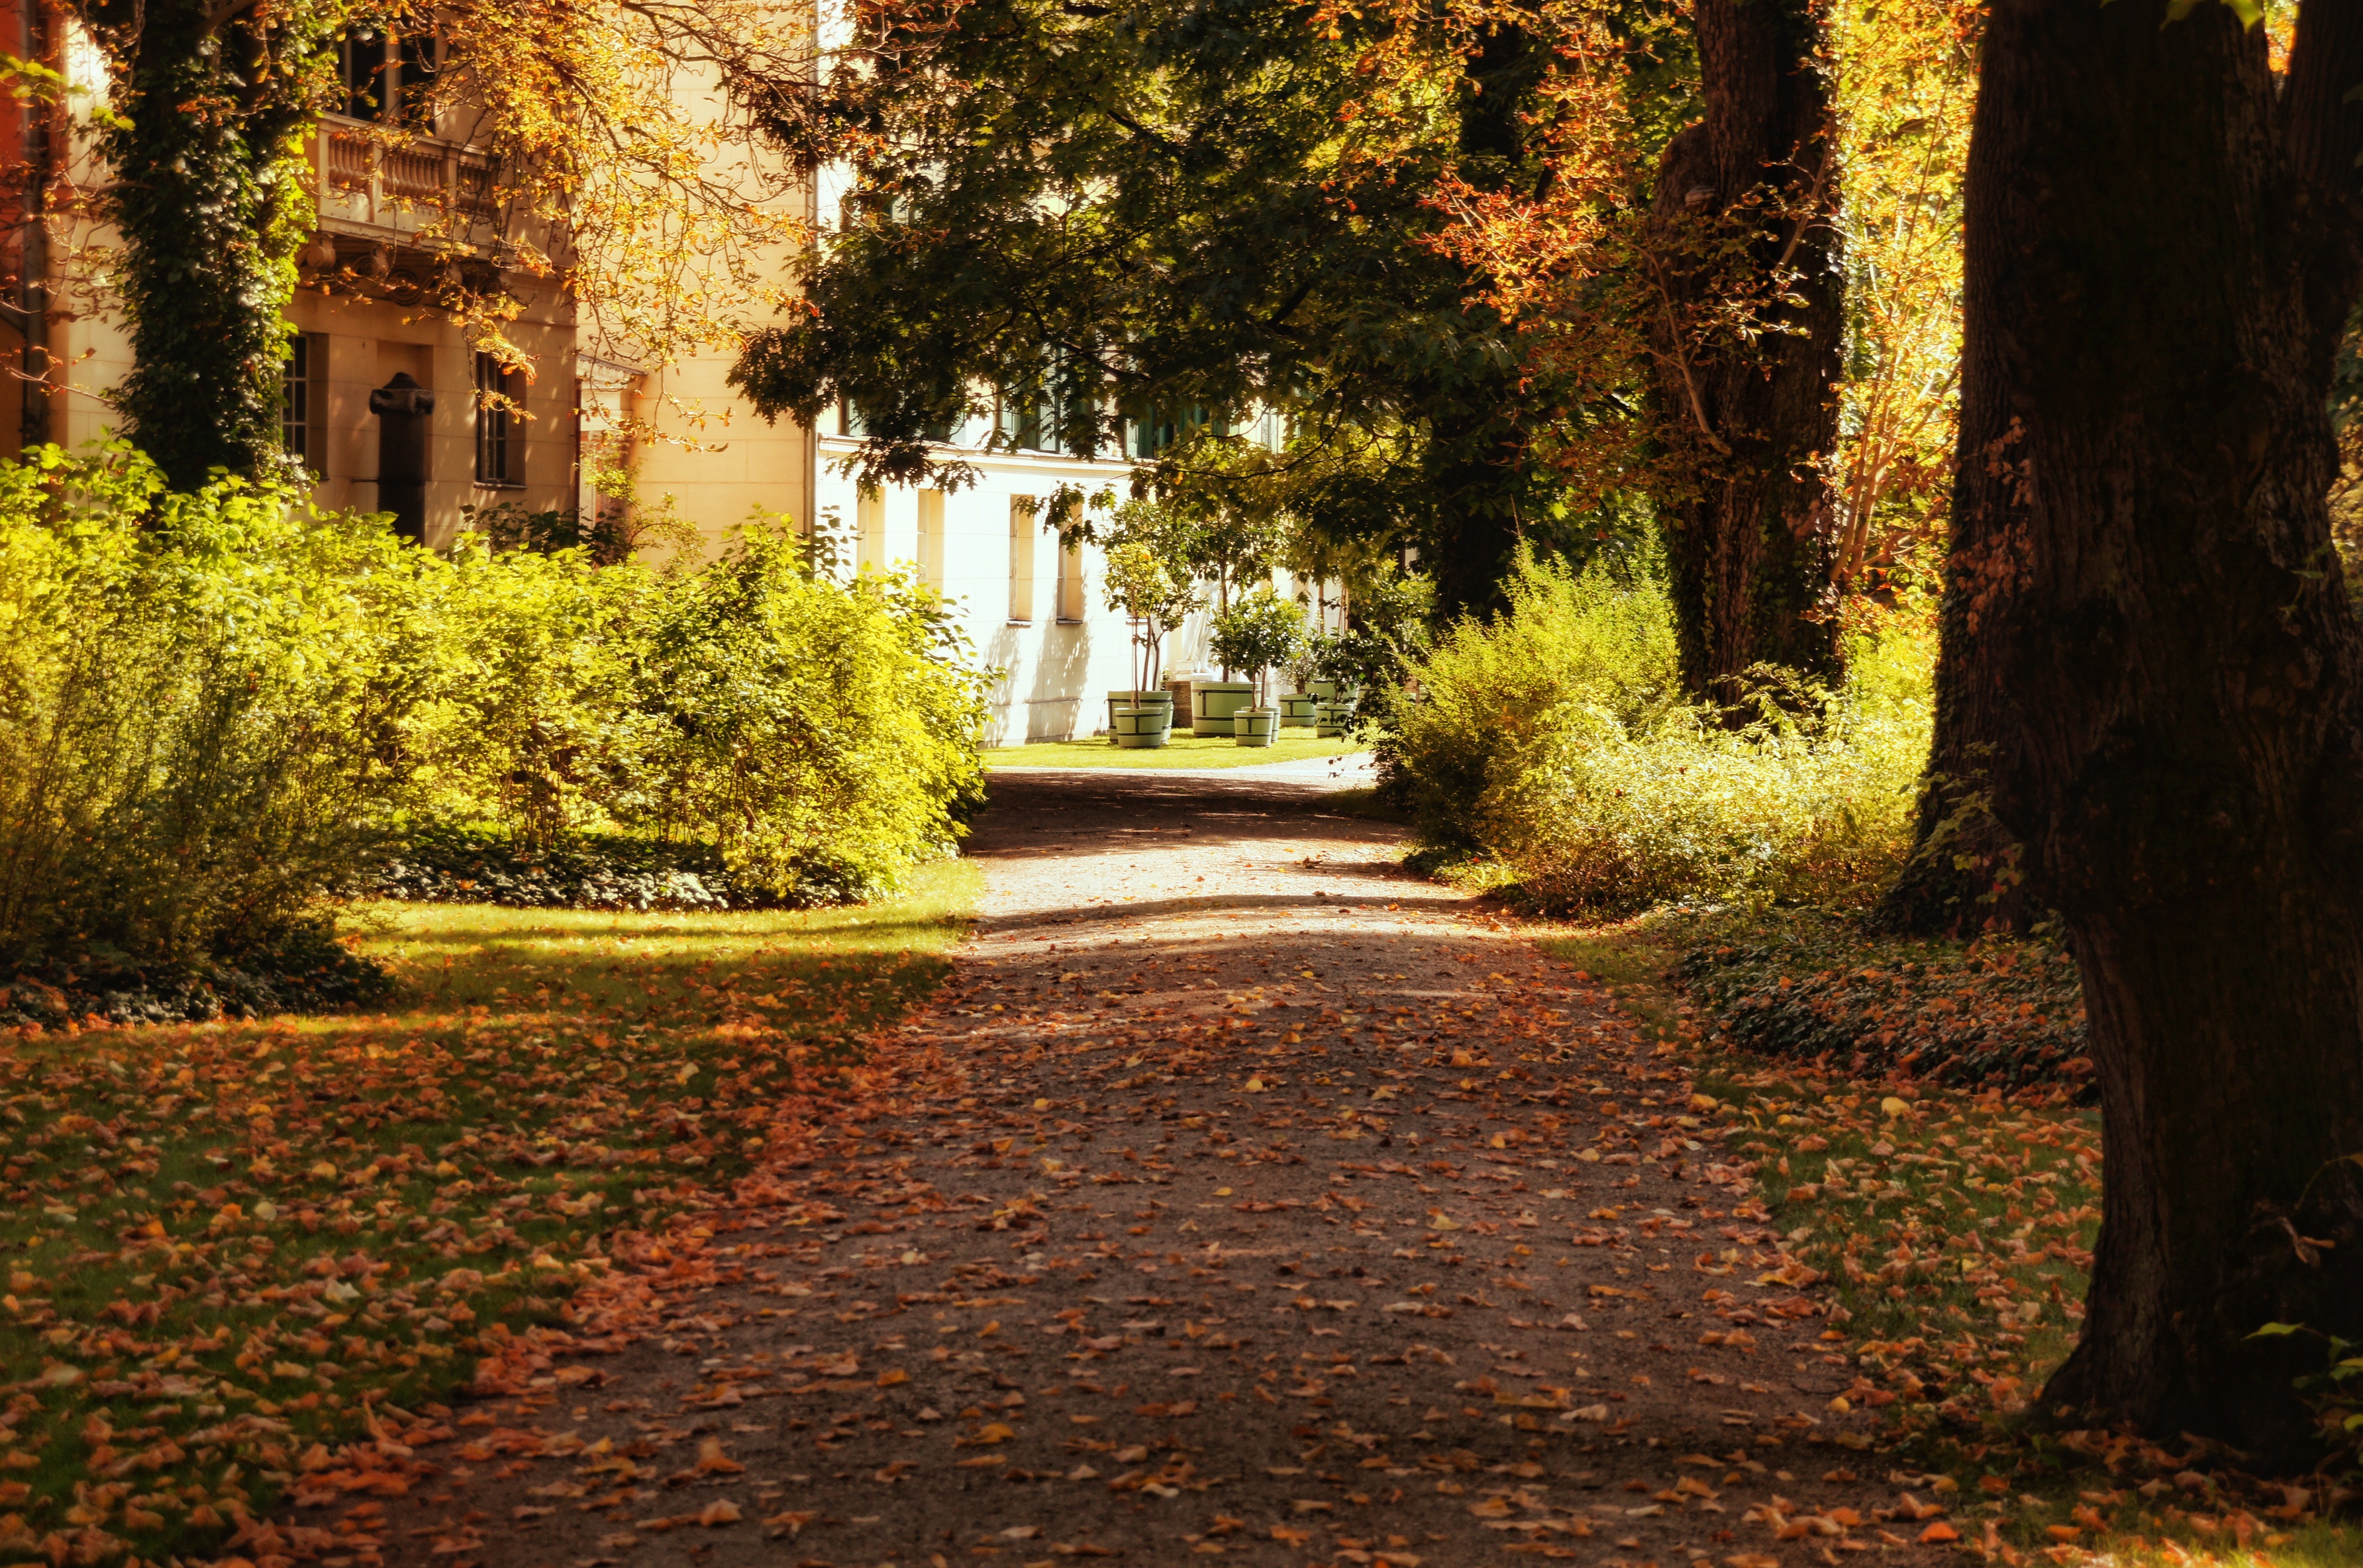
(1054, 672)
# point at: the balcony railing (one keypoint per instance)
(403, 186)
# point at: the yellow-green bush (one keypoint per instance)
(822, 736)
(194, 726)
(213, 707)
(1550, 738)
(1490, 703)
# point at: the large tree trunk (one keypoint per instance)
(1478, 471)
(1741, 212)
(2160, 253)
(1965, 873)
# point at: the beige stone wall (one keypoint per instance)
(714, 456)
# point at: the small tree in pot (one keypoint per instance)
(1259, 630)
(1297, 707)
(1146, 587)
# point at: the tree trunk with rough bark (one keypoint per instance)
(2150, 628)
(1748, 399)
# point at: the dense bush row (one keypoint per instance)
(1554, 739)
(215, 706)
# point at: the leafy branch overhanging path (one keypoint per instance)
(1244, 1196)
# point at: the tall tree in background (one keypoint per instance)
(2150, 622)
(1708, 292)
(1745, 343)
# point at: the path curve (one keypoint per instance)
(1277, 1205)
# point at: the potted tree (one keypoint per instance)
(1336, 687)
(1298, 709)
(1231, 541)
(1260, 630)
(1144, 584)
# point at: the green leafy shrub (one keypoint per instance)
(1553, 738)
(214, 707)
(821, 736)
(523, 673)
(195, 715)
(1491, 703)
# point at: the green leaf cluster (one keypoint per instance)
(1555, 740)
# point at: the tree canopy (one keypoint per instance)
(1112, 230)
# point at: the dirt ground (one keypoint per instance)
(1271, 1203)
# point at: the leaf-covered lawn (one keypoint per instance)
(225, 1243)
(1955, 1226)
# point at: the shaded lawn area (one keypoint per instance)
(1955, 1226)
(224, 1244)
(1183, 751)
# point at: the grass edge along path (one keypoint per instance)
(246, 1260)
(1954, 1227)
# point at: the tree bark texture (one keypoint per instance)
(1749, 407)
(2147, 633)
(1965, 873)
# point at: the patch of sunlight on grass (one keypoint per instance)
(485, 955)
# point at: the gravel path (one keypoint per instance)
(1266, 1202)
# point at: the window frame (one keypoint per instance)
(304, 403)
(500, 428)
(1025, 512)
(1070, 605)
(387, 78)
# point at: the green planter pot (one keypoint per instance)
(1297, 712)
(1214, 703)
(1160, 699)
(1334, 718)
(1146, 726)
(1256, 726)
(1320, 691)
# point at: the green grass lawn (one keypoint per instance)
(1183, 751)
(220, 1243)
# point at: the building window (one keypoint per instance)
(1034, 407)
(500, 423)
(300, 413)
(388, 78)
(1021, 559)
(1149, 428)
(931, 538)
(1071, 583)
